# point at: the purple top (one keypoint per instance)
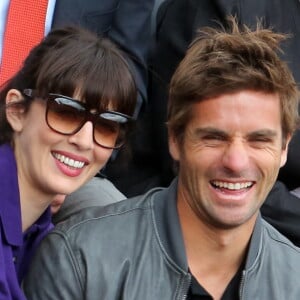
(16, 248)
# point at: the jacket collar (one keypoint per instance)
(10, 210)
(255, 243)
(168, 226)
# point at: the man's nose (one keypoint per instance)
(236, 156)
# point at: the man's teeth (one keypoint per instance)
(69, 161)
(232, 186)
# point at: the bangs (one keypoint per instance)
(98, 74)
(77, 63)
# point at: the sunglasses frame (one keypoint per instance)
(108, 115)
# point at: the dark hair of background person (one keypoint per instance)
(97, 71)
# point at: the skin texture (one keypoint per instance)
(40, 174)
(230, 139)
(57, 202)
(229, 159)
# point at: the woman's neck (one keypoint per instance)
(33, 204)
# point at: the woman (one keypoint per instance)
(61, 116)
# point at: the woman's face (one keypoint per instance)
(51, 162)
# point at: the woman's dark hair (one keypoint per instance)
(70, 61)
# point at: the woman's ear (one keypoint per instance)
(15, 109)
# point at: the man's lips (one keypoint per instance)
(232, 186)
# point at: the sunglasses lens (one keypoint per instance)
(108, 133)
(64, 116)
(67, 116)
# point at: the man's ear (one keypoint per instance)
(173, 146)
(284, 152)
(15, 109)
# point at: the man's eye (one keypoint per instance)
(261, 140)
(213, 137)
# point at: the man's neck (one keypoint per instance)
(214, 255)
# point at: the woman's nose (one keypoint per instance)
(84, 137)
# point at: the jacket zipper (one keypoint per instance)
(187, 280)
(242, 283)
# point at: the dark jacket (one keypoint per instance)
(282, 210)
(134, 250)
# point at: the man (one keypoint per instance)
(231, 115)
(177, 24)
(175, 30)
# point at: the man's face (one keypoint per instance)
(230, 157)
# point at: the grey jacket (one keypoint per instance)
(134, 250)
(96, 192)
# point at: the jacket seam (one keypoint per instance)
(165, 255)
(74, 262)
(74, 226)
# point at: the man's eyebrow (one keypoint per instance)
(210, 130)
(263, 133)
(216, 131)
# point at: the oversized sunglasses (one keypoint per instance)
(67, 116)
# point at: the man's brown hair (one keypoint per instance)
(221, 61)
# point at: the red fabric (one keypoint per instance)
(24, 29)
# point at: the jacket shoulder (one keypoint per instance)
(278, 242)
(118, 211)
